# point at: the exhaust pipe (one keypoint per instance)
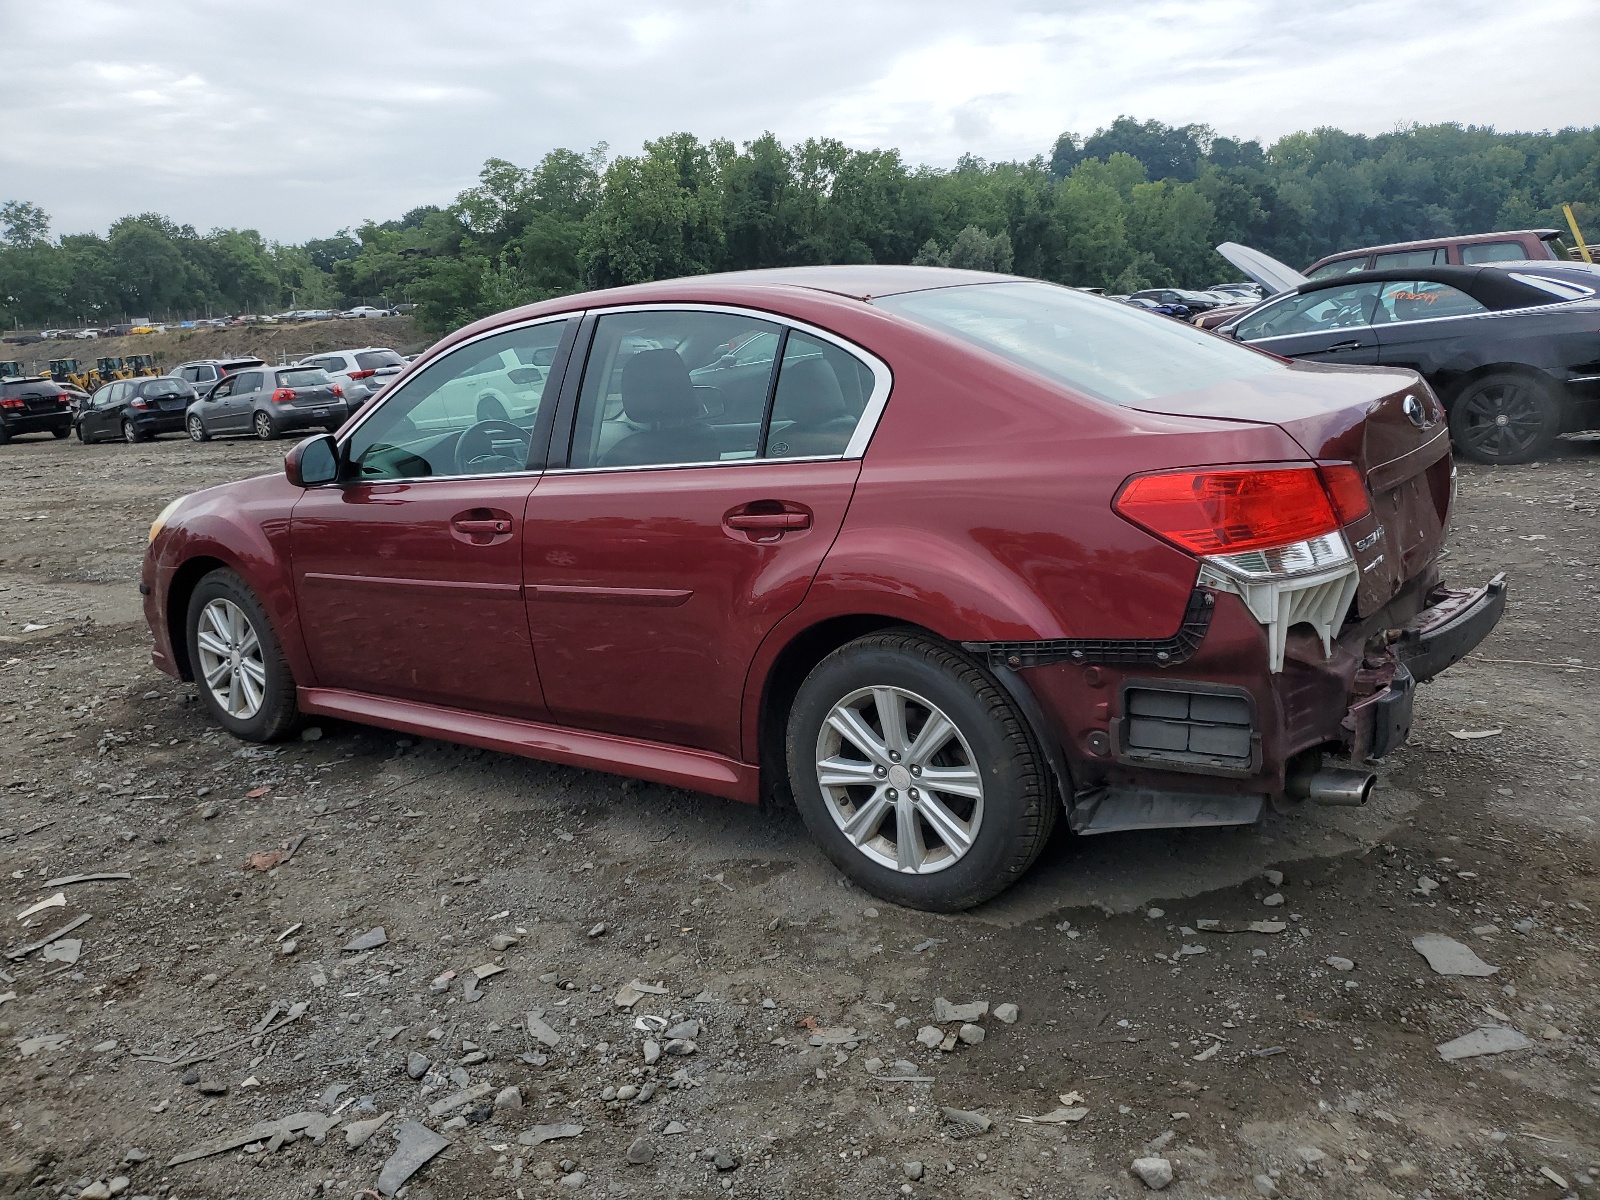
(1337, 786)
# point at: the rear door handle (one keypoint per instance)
(763, 522)
(472, 525)
(1350, 345)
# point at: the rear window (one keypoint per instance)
(371, 360)
(303, 377)
(165, 387)
(1092, 345)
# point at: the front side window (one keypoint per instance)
(822, 392)
(474, 411)
(249, 381)
(667, 387)
(1311, 312)
(1421, 301)
(1486, 252)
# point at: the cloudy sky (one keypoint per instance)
(298, 117)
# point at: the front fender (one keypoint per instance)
(244, 526)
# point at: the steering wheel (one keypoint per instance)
(480, 444)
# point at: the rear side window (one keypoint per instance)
(668, 387)
(1435, 256)
(371, 360)
(304, 378)
(1311, 312)
(1342, 266)
(1096, 346)
(1421, 302)
(822, 392)
(1487, 252)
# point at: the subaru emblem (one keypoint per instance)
(1412, 407)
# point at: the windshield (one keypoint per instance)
(1099, 347)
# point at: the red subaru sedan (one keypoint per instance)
(945, 556)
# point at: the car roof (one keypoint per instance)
(857, 281)
(1491, 285)
(1465, 239)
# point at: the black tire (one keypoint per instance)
(277, 715)
(5, 434)
(130, 433)
(197, 429)
(1505, 418)
(82, 437)
(62, 431)
(263, 426)
(993, 740)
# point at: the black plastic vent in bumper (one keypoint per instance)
(1155, 652)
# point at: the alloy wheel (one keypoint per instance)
(129, 433)
(1502, 419)
(197, 430)
(263, 426)
(900, 780)
(230, 659)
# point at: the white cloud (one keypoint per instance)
(298, 117)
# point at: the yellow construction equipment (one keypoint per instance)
(67, 370)
(1572, 224)
(10, 367)
(140, 365)
(111, 368)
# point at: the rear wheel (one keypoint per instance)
(263, 427)
(62, 431)
(238, 665)
(1504, 419)
(916, 774)
(130, 433)
(197, 429)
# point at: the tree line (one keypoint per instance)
(1137, 204)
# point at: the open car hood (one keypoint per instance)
(1263, 268)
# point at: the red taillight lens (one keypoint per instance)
(138, 402)
(1347, 489)
(1229, 511)
(12, 404)
(362, 374)
(337, 390)
(283, 395)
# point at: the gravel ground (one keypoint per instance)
(215, 993)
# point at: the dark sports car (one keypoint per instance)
(1513, 350)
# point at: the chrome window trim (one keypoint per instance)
(871, 413)
(1473, 316)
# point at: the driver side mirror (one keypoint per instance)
(313, 462)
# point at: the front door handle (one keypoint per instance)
(483, 525)
(1350, 345)
(769, 522)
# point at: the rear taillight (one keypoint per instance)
(1347, 489)
(12, 404)
(283, 395)
(362, 374)
(64, 398)
(339, 391)
(138, 402)
(1209, 512)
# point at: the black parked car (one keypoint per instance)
(32, 404)
(135, 410)
(267, 401)
(1513, 350)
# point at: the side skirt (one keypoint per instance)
(697, 770)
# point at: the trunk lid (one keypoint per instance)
(1388, 423)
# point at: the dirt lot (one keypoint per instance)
(1299, 1062)
(270, 342)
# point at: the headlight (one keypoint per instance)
(155, 526)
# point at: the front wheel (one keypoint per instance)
(1504, 419)
(237, 662)
(916, 774)
(263, 426)
(197, 430)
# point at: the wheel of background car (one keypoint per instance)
(1504, 419)
(263, 427)
(478, 454)
(62, 431)
(130, 433)
(197, 429)
(82, 436)
(915, 773)
(5, 434)
(238, 664)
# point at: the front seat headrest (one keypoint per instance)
(656, 388)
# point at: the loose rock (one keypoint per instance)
(641, 1152)
(417, 1144)
(1006, 1014)
(1450, 957)
(1155, 1172)
(945, 1013)
(970, 1034)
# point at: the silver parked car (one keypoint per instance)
(363, 373)
(267, 401)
